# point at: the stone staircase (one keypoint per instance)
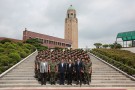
(103, 76)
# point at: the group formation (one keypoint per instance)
(63, 66)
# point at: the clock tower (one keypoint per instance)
(71, 27)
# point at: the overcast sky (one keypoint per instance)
(98, 20)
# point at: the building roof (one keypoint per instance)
(127, 36)
(71, 8)
(39, 35)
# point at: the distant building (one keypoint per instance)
(47, 40)
(71, 27)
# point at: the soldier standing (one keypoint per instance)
(52, 72)
(87, 72)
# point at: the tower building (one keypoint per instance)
(71, 27)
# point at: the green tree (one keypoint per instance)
(37, 44)
(98, 45)
(118, 46)
(105, 45)
(111, 46)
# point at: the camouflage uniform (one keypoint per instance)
(36, 68)
(87, 73)
(52, 72)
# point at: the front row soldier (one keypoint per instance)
(87, 71)
(53, 69)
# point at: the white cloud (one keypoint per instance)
(99, 20)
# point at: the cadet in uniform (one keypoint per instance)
(87, 72)
(52, 71)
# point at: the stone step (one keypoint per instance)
(110, 78)
(21, 73)
(25, 75)
(74, 85)
(18, 78)
(33, 75)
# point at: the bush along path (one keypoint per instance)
(12, 52)
(124, 60)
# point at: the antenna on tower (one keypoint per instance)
(25, 29)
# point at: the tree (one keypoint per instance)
(111, 46)
(118, 46)
(37, 44)
(105, 45)
(98, 45)
(115, 46)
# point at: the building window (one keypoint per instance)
(44, 41)
(49, 42)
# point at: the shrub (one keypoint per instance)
(27, 51)
(28, 46)
(1, 49)
(11, 51)
(20, 43)
(23, 54)
(11, 46)
(4, 60)
(15, 56)
(122, 59)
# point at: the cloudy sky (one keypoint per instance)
(98, 20)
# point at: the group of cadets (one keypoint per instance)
(63, 66)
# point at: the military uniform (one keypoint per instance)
(36, 68)
(87, 74)
(52, 72)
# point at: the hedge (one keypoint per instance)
(13, 52)
(122, 59)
